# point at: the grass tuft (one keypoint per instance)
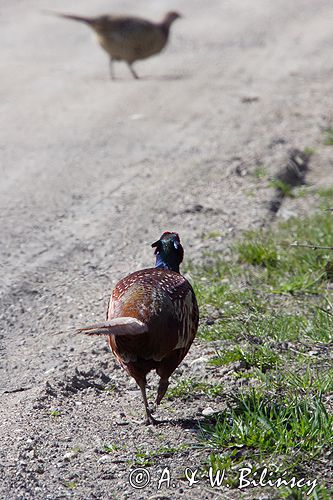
(256, 251)
(328, 140)
(267, 428)
(190, 388)
(268, 310)
(261, 357)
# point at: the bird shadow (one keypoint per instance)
(145, 78)
(179, 77)
(184, 423)
(187, 423)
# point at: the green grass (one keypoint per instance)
(309, 151)
(328, 139)
(268, 309)
(256, 251)
(326, 193)
(189, 388)
(71, 485)
(310, 381)
(148, 458)
(285, 188)
(290, 269)
(260, 172)
(261, 357)
(275, 432)
(55, 413)
(110, 448)
(143, 458)
(271, 426)
(211, 235)
(320, 493)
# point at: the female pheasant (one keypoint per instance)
(128, 38)
(152, 319)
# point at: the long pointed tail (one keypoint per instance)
(116, 326)
(73, 17)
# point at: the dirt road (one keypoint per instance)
(92, 171)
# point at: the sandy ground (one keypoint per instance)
(93, 171)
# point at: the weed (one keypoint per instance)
(284, 188)
(257, 250)
(211, 235)
(189, 388)
(110, 448)
(269, 309)
(261, 357)
(72, 485)
(309, 151)
(143, 458)
(267, 427)
(328, 139)
(55, 413)
(260, 172)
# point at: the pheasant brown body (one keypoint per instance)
(128, 38)
(164, 301)
(161, 306)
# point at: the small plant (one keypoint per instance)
(328, 139)
(143, 458)
(257, 250)
(320, 328)
(110, 448)
(309, 151)
(326, 193)
(261, 357)
(212, 235)
(55, 413)
(260, 172)
(171, 450)
(189, 388)
(284, 188)
(264, 427)
(311, 380)
(72, 485)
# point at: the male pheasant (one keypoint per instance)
(128, 38)
(152, 318)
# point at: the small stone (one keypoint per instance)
(199, 361)
(69, 455)
(105, 458)
(208, 411)
(31, 454)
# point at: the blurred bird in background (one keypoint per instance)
(152, 319)
(128, 38)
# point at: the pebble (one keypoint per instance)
(70, 454)
(208, 411)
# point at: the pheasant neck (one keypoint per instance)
(166, 263)
(165, 27)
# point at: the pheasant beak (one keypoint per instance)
(156, 244)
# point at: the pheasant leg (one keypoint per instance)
(112, 75)
(162, 388)
(133, 72)
(150, 419)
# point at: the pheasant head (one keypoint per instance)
(169, 252)
(169, 18)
